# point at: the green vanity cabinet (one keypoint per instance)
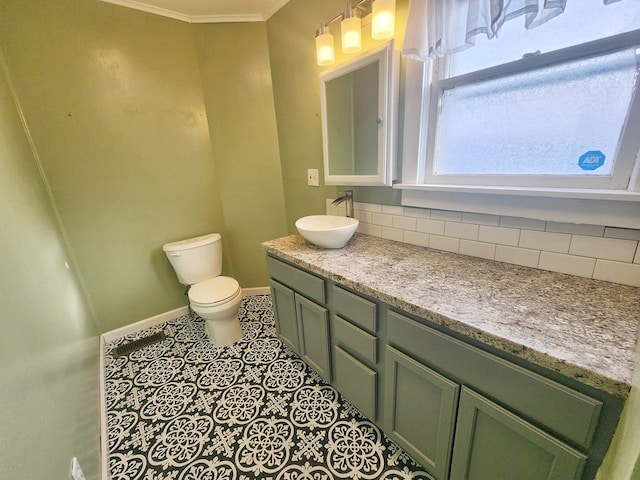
(461, 409)
(355, 349)
(302, 322)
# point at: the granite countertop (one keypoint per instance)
(582, 328)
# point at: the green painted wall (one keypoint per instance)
(236, 80)
(49, 344)
(118, 109)
(296, 91)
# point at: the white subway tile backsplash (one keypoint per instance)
(370, 229)
(416, 238)
(446, 215)
(332, 210)
(593, 230)
(478, 249)
(363, 216)
(371, 207)
(551, 242)
(392, 234)
(468, 231)
(340, 210)
(619, 272)
(404, 223)
(519, 256)
(607, 248)
(392, 209)
(605, 253)
(417, 212)
(499, 235)
(444, 243)
(571, 264)
(481, 219)
(517, 222)
(382, 219)
(435, 227)
(625, 233)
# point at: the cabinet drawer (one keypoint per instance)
(355, 309)
(306, 283)
(355, 340)
(356, 381)
(568, 413)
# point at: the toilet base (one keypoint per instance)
(222, 333)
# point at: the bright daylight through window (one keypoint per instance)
(553, 107)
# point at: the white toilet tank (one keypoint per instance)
(196, 259)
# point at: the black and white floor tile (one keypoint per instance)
(182, 409)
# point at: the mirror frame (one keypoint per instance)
(388, 77)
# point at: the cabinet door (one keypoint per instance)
(420, 409)
(492, 443)
(313, 326)
(355, 381)
(284, 308)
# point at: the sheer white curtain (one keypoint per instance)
(439, 27)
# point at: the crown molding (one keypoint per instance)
(143, 7)
(248, 17)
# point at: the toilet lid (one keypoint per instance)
(215, 290)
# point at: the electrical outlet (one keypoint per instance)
(76, 471)
(313, 180)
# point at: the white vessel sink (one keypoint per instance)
(327, 231)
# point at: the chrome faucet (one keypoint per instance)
(346, 197)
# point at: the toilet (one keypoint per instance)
(198, 263)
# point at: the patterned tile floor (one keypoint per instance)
(182, 409)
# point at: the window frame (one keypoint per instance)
(596, 204)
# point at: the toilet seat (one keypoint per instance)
(214, 291)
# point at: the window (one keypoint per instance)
(554, 109)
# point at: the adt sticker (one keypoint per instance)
(591, 160)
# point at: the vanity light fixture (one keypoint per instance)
(383, 14)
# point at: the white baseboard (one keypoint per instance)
(104, 451)
(142, 324)
(248, 292)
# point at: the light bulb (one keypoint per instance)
(384, 19)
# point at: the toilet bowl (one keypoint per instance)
(217, 301)
(215, 298)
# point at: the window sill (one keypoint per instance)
(576, 193)
(592, 207)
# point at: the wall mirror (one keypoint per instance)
(359, 119)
